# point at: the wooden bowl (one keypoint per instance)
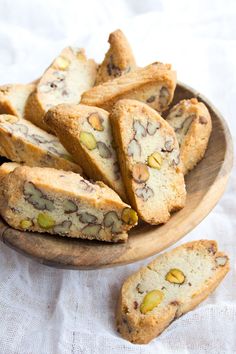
(205, 186)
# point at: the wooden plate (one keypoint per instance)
(205, 186)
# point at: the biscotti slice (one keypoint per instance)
(154, 85)
(70, 74)
(149, 160)
(13, 98)
(23, 142)
(63, 203)
(118, 60)
(192, 124)
(168, 287)
(85, 132)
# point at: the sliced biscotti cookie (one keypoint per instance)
(85, 132)
(148, 153)
(23, 142)
(171, 285)
(118, 60)
(13, 98)
(63, 203)
(192, 124)
(70, 74)
(154, 85)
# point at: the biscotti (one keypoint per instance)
(13, 98)
(148, 154)
(85, 132)
(192, 124)
(6, 168)
(170, 286)
(154, 85)
(64, 81)
(23, 142)
(63, 203)
(118, 60)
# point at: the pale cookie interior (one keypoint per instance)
(20, 140)
(64, 203)
(191, 122)
(68, 77)
(190, 264)
(104, 153)
(168, 287)
(13, 98)
(152, 159)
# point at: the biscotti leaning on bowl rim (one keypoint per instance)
(23, 142)
(168, 287)
(63, 203)
(70, 74)
(154, 84)
(85, 131)
(192, 124)
(118, 60)
(149, 159)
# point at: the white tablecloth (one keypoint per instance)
(46, 310)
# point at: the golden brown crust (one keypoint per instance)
(34, 112)
(154, 85)
(141, 328)
(151, 208)
(68, 122)
(118, 60)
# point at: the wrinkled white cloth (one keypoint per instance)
(46, 310)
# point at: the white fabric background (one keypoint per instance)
(45, 310)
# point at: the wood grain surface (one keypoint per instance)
(205, 185)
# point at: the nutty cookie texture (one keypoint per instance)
(173, 284)
(86, 133)
(192, 124)
(6, 168)
(155, 85)
(148, 154)
(13, 98)
(70, 74)
(23, 142)
(118, 60)
(63, 203)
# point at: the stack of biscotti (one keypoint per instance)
(147, 149)
(105, 123)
